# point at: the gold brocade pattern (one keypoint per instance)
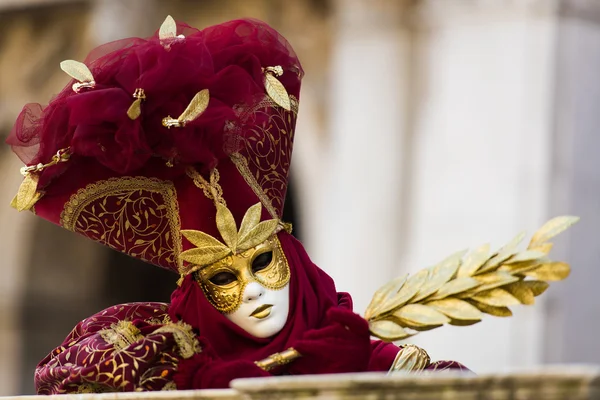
(93, 388)
(136, 215)
(186, 340)
(241, 164)
(121, 334)
(264, 160)
(95, 359)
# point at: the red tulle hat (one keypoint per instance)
(151, 131)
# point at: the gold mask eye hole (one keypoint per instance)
(262, 261)
(223, 278)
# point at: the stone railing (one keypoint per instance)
(557, 383)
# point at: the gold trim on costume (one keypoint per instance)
(184, 336)
(212, 190)
(278, 359)
(121, 334)
(137, 207)
(410, 358)
(242, 166)
(264, 153)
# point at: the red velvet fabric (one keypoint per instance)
(106, 145)
(342, 345)
(227, 59)
(207, 371)
(312, 294)
(321, 325)
(85, 361)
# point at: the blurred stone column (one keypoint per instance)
(483, 153)
(356, 239)
(14, 248)
(571, 334)
(118, 19)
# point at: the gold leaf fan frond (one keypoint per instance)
(209, 249)
(458, 291)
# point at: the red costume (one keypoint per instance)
(110, 159)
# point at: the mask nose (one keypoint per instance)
(253, 292)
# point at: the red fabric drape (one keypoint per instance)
(312, 293)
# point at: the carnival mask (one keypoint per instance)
(250, 288)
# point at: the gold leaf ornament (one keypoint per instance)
(420, 317)
(135, 110)
(27, 195)
(521, 292)
(80, 72)
(208, 250)
(384, 293)
(553, 271)
(456, 309)
(258, 234)
(551, 229)
(496, 298)
(195, 108)
(167, 33)
(440, 274)
(227, 227)
(250, 220)
(388, 330)
(459, 291)
(168, 29)
(275, 88)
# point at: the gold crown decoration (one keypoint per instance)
(209, 250)
(459, 291)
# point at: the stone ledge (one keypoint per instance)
(216, 394)
(551, 383)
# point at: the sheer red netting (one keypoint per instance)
(226, 59)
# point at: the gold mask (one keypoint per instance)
(224, 281)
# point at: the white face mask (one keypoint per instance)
(263, 312)
(252, 289)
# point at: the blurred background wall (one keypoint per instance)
(426, 126)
